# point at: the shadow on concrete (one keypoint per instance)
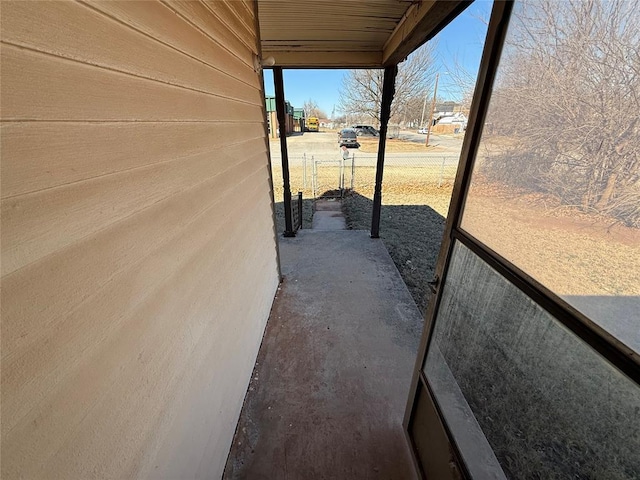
(412, 235)
(307, 210)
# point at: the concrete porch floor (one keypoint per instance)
(331, 381)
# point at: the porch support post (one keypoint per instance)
(388, 90)
(282, 126)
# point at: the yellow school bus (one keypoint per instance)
(312, 124)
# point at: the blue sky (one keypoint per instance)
(462, 39)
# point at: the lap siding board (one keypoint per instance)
(138, 252)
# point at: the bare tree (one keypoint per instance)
(311, 109)
(339, 119)
(361, 90)
(464, 81)
(568, 97)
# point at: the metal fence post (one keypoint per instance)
(444, 159)
(353, 169)
(300, 209)
(304, 170)
(314, 176)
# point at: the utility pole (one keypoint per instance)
(433, 106)
(424, 107)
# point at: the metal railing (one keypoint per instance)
(296, 212)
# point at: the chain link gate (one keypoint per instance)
(330, 177)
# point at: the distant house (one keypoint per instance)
(451, 124)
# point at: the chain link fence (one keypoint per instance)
(406, 177)
(404, 174)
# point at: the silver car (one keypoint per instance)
(347, 137)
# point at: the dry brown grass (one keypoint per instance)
(394, 145)
(401, 185)
(571, 253)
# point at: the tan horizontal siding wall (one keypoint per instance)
(138, 251)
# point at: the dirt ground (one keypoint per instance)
(569, 252)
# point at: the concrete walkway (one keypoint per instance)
(330, 385)
(328, 215)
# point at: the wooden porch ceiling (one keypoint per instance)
(349, 33)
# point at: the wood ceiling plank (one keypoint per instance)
(325, 59)
(391, 29)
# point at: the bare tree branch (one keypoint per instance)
(311, 109)
(361, 90)
(569, 88)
